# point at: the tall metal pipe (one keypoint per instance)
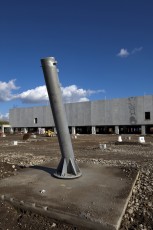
(67, 167)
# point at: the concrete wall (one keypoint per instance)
(126, 111)
(25, 117)
(78, 114)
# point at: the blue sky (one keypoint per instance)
(104, 49)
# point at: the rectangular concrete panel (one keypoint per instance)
(80, 113)
(97, 200)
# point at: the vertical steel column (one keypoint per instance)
(67, 167)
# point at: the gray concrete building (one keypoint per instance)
(123, 115)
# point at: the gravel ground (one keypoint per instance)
(129, 153)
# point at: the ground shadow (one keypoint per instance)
(49, 170)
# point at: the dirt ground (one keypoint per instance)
(87, 148)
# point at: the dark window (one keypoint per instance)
(147, 115)
(35, 120)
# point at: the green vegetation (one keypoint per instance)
(4, 122)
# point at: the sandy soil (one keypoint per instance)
(41, 150)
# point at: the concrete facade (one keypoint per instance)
(133, 112)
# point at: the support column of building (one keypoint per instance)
(25, 130)
(11, 130)
(143, 129)
(93, 130)
(39, 130)
(117, 129)
(43, 131)
(2, 128)
(73, 130)
(55, 131)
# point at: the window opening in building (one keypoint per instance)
(35, 120)
(147, 115)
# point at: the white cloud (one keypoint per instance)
(4, 117)
(39, 94)
(74, 94)
(83, 99)
(70, 94)
(6, 89)
(123, 53)
(135, 50)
